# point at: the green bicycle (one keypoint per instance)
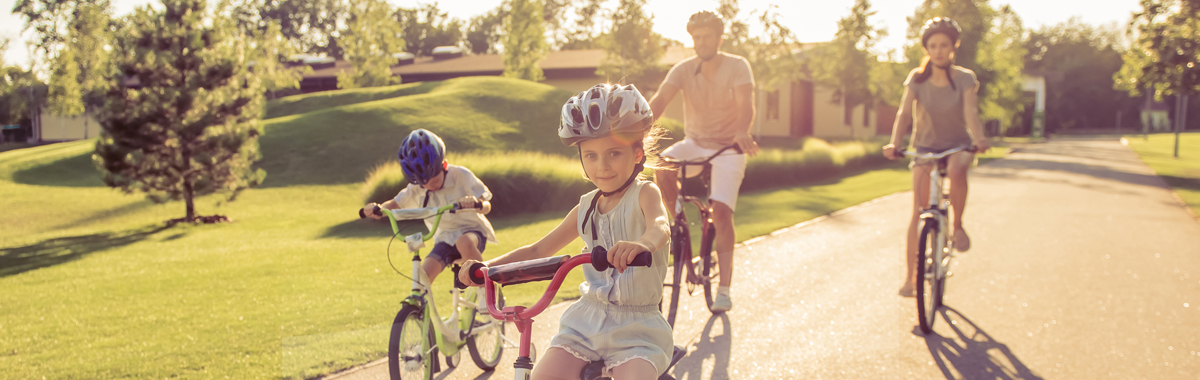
(419, 332)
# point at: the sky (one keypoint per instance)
(810, 20)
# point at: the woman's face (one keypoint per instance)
(940, 49)
(608, 162)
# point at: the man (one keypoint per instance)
(718, 92)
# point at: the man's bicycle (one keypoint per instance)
(419, 332)
(934, 252)
(555, 269)
(700, 267)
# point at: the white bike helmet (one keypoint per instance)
(603, 110)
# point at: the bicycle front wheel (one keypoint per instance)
(928, 283)
(410, 347)
(486, 343)
(710, 275)
(681, 250)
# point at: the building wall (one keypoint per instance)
(66, 128)
(773, 116)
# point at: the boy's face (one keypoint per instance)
(608, 162)
(435, 183)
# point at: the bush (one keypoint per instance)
(528, 182)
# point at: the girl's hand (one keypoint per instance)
(465, 277)
(982, 145)
(889, 151)
(369, 211)
(622, 253)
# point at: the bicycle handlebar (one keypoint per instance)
(482, 207)
(940, 155)
(734, 147)
(598, 258)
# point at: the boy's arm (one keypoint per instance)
(657, 230)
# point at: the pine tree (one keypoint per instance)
(181, 122)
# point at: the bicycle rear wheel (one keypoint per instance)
(410, 346)
(928, 291)
(681, 250)
(709, 273)
(486, 346)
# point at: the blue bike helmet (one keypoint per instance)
(422, 156)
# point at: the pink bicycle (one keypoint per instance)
(555, 269)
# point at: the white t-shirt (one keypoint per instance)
(460, 182)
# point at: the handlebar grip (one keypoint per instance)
(475, 272)
(600, 259)
(374, 210)
(457, 284)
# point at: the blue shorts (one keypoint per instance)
(447, 254)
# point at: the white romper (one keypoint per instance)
(617, 319)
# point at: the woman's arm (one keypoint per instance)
(971, 115)
(900, 126)
(657, 230)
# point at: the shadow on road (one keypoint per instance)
(972, 353)
(17, 260)
(716, 347)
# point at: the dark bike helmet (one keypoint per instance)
(706, 19)
(422, 156)
(603, 110)
(940, 25)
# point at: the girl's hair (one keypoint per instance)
(927, 67)
(646, 140)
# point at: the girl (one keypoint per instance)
(940, 102)
(617, 319)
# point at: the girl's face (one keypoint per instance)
(609, 162)
(940, 49)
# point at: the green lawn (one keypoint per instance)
(296, 286)
(1181, 173)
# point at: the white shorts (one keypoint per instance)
(728, 169)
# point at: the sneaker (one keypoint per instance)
(907, 291)
(721, 303)
(962, 242)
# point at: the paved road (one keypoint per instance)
(1081, 268)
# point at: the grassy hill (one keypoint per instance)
(344, 134)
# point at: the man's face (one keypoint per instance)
(706, 41)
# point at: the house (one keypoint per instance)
(798, 108)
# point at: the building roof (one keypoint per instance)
(493, 64)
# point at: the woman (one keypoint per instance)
(940, 101)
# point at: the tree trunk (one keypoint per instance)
(188, 191)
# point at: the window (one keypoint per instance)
(773, 105)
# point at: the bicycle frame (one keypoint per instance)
(935, 211)
(703, 205)
(450, 337)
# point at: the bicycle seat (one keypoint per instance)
(526, 271)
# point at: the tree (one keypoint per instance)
(524, 40)
(583, 35)
(427, 27)
(182, 121)
(633, 49)
(370, 39)
(847, 62)
(269, 48)
(1165, 56)
(1079, 62)
(483, 31)
(310, 26)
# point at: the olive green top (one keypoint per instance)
(939, 122)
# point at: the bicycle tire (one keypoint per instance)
(408, 347)
(681, 250)
(927, 283)
(709, 273)
(488, 356)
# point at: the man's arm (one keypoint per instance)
(743, 99)
(665, 94)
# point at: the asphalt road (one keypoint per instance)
(1081, 267)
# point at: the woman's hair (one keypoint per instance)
(646, 140)
(927, 63)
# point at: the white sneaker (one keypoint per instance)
(721, 303)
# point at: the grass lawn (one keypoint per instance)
(1181, 173)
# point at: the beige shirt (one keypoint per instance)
(709, 111)
(939, 122)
